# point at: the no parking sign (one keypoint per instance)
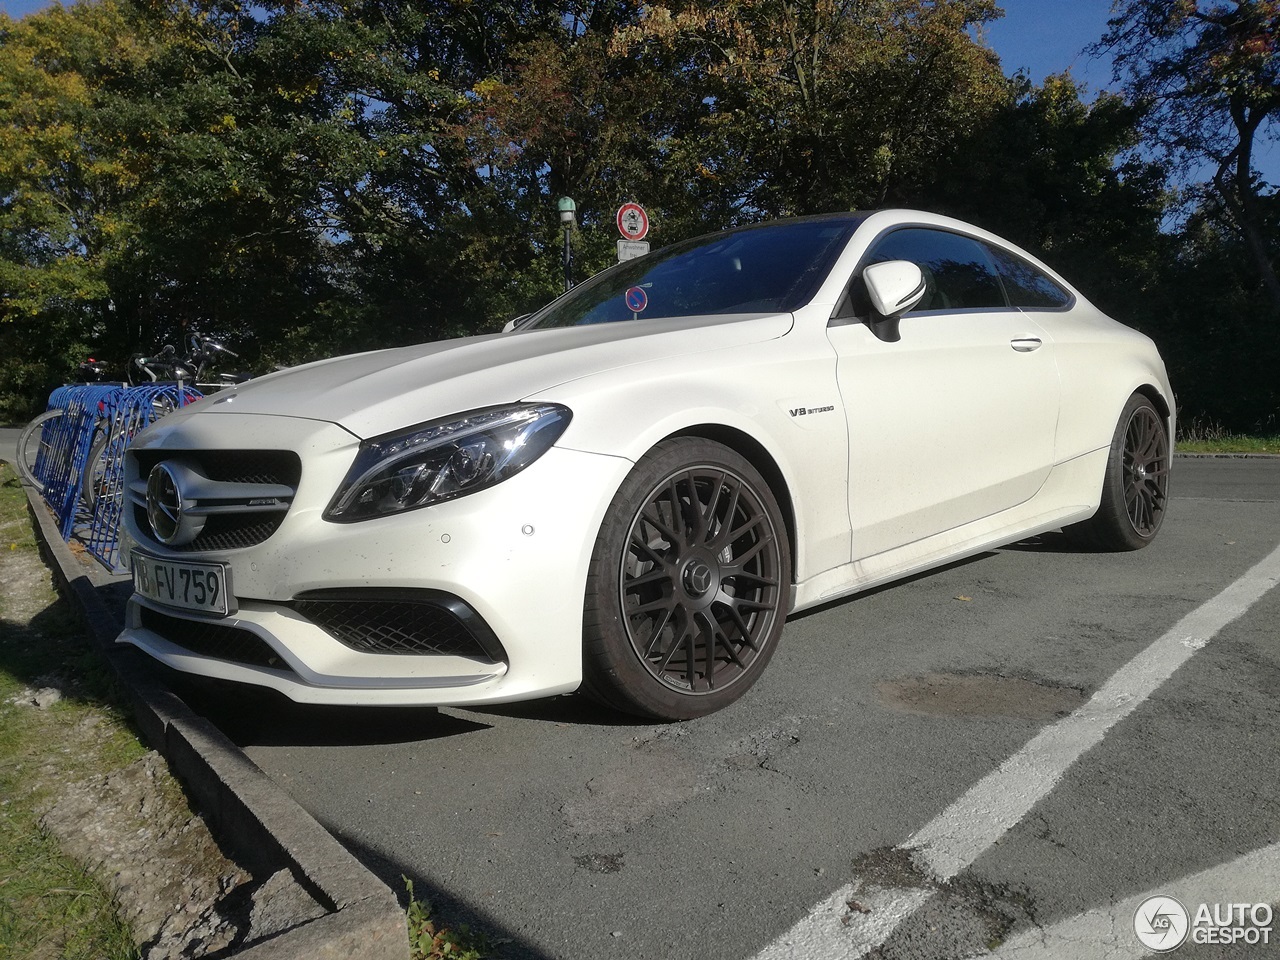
(636, 299)
(633, 222)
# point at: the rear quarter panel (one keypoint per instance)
(1101, 363)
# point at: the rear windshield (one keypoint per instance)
(774, 268)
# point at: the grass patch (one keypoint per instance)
(430, 941)
(1230, 443)
(50, 906)
(1200, 435)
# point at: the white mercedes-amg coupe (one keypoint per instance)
(628, 491)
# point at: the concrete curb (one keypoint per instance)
(261, 823)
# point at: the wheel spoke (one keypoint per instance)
(708, 631)
(1153, 441)
(1131, 499)
(737, 573)
(639, 544)
(707, 516)
(684, 508)
(723, 642)
(657, 575)
(690, 649)
(679, 634)
(725, 536)
(750, 554)
(743, 629)
(748, 525)
(750, 604)
(667, 533)
(662, 603)
(659, 626)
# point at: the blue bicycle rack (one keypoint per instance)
(69, 440)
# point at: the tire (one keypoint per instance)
(93, 479)
(684, 606)
(1135, 490)
(26, 462)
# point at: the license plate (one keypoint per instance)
(203, 587)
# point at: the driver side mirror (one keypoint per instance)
(895, 288)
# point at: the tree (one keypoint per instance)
(61, 188)
(1209, 71)
(828, 104)
(1061, 177)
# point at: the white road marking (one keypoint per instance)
(1107, 933)
(833, 930)
(970, 826)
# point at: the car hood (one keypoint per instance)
(374, 393)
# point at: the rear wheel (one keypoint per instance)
(1135, 491)
(93, 479)
(689, 584)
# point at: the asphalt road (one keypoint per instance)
(563, 831)
(566, 832)
(9, 443)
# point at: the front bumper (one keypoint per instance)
(515, 556)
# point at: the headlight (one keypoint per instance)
(445, 459)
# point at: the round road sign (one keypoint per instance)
(636, 299)
(633, 222)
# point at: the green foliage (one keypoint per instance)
(1058, 176)
(1218, 324)
(341, 175)
(430, 941)
(1209, 74)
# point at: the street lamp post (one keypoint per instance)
(567, 208)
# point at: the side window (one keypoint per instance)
(1025, 285)
(958, 272)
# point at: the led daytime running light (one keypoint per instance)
(445, 459)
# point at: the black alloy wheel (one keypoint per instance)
(1146, 470)
(689, 586)
(1135, 490)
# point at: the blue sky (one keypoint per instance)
(1049, 36)
(20, 8)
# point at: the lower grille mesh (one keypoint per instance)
(213, 640)
(394, 626)
(222, 531)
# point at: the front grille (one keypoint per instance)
(232, 466)
(408, 622)
(213, 639)
(224, 531)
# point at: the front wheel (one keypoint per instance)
(689, 584)
(1135, 491)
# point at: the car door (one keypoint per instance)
(954, 421)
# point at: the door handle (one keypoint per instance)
(1026, 344)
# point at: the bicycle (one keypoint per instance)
(186, 372)
(202, 353)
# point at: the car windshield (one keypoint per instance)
(773, 268)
